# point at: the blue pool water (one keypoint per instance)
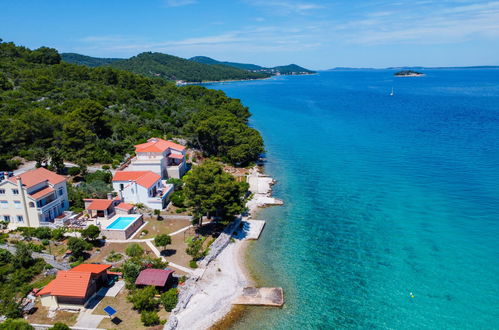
(384, 196)
(121, 223)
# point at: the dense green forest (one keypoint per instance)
(171, 68)
(50, 108)
(87, 60)
(283, 69)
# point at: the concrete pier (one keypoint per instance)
(253, 228)
(261, 297)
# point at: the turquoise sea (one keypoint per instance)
(385, 195)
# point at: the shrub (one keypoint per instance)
(130, 271)
(91, 232)
(134, 250)
(169, 299)
(60, 326)
(178, 198)
(45, 242)
(182, 279)
(193, 264)
(162, 240)
(58, 234)
(145, 231)
(113, 256)
(149, 318)
(42, 233)
(106, 167)
(15, 324)
(74, 171)
(143, 299)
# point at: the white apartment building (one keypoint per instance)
(33, 199)
(160, 156)
(142, 187)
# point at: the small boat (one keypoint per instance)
(391, 93)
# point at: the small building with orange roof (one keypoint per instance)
(142, 187)
(75, 286)
(163, 157)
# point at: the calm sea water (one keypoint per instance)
(384, 196)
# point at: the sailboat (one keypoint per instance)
(391, 93)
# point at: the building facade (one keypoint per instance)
(142, 187)
(162, 157)
(33, 199)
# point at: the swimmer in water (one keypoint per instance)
(411, 294)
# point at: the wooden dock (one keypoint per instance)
(261, 297)
(253, 228)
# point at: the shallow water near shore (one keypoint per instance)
(385, 196)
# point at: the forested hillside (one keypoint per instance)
(50, 108)
(283, 69)
(87, 60)
(175, 68)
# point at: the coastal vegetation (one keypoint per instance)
(16, 272)
(52, 110)
(283, 69)
(212, 192)
(168, 67)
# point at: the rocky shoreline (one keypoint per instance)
(207, 296)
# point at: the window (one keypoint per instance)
(4, 204)
(122, 186)
(60, 191)
(15, 191)
(17, 204)
(6, 218)
(20, 218)
(31, 204)
(2, 191)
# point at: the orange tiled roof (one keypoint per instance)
(69, 283)
(125, 206)
(91, 268)
(100, 204)
(42, 192)
(38, 175)
(158, 145)
(177, 156)
(47, 289)
(144, 178)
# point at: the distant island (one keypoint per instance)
(181, 70)
(408, 73)
(291, 69)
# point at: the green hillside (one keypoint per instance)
(51, 109)
(87, 60)
(284, 69)
(209, 60)
(175, 68)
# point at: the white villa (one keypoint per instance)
(144, 187)
(33, 199)
(162, 157)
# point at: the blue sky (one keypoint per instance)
(312, 33)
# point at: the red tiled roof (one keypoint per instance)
(91, 268)
(177, 156)
(43, 192)
(157, 145)
(71, 283)
(47, 289)
(38, 175)
(144, 178)
(100, 204)
(155, 277)
(125, 206)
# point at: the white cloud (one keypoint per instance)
(286, 6)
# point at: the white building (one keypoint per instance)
(142, 187)
(162, 157)
(33, 199)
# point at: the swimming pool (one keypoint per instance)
(121, 223)
(122, 226)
